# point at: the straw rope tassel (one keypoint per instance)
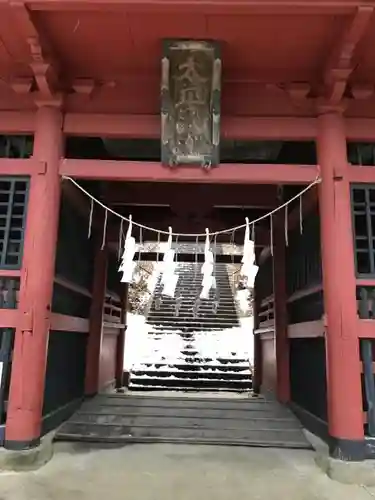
(120, 239)
(286, 227)
(90, 219)
(104, 229)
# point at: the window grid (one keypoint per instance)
(13, 203)
(363, 214)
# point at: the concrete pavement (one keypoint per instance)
(177, 472)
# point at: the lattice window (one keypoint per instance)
(13, 202)
(363, 209)
(16, 146)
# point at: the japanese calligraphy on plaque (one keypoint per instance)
(190, 103)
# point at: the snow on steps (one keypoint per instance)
(188, 350)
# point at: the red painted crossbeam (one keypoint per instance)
(21, 167)
(227, 173)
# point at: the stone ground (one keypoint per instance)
(177, 472)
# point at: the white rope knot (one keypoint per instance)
(127, 265)
(248, 268)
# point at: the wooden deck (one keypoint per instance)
(185, 418)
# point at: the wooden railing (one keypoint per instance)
(306, 329)
(112, 310)
(266, 313)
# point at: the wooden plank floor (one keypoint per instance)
(140, 418)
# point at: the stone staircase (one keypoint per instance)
(194, 344)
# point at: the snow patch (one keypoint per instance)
(243, 297)
(144, 345)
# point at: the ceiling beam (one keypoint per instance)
(172, 194)
(340, 63)
(222, 7)
(43, 62)
(148, 126)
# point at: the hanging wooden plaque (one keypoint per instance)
(190, 103)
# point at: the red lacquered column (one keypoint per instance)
(345, 415)
(23, 425)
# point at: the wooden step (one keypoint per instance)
(131, 418)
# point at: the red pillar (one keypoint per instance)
(120, 346)
(23, 425)
(280, 310)
(345, 416)
(95, 338)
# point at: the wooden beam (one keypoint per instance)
(17, 122)
(266, 331)
(170, 194)
(148, 126)
(360, 129)
(306, 330)
(9, 318)
(60, 280)
(43, 62)
(362, 91)
(274, 7)
(366, 328)
(10, 166)
(363, 282)
(228, 173)
(305, 292)
(359, 175)
(263, 330)
(10, 273)
(65, 323)
(340, 63)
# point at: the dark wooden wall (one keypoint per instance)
(264, 294)
(308, 375)
(264, 280)
(305, 304)
(65, 374)
(112, 315)
(303, 272)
